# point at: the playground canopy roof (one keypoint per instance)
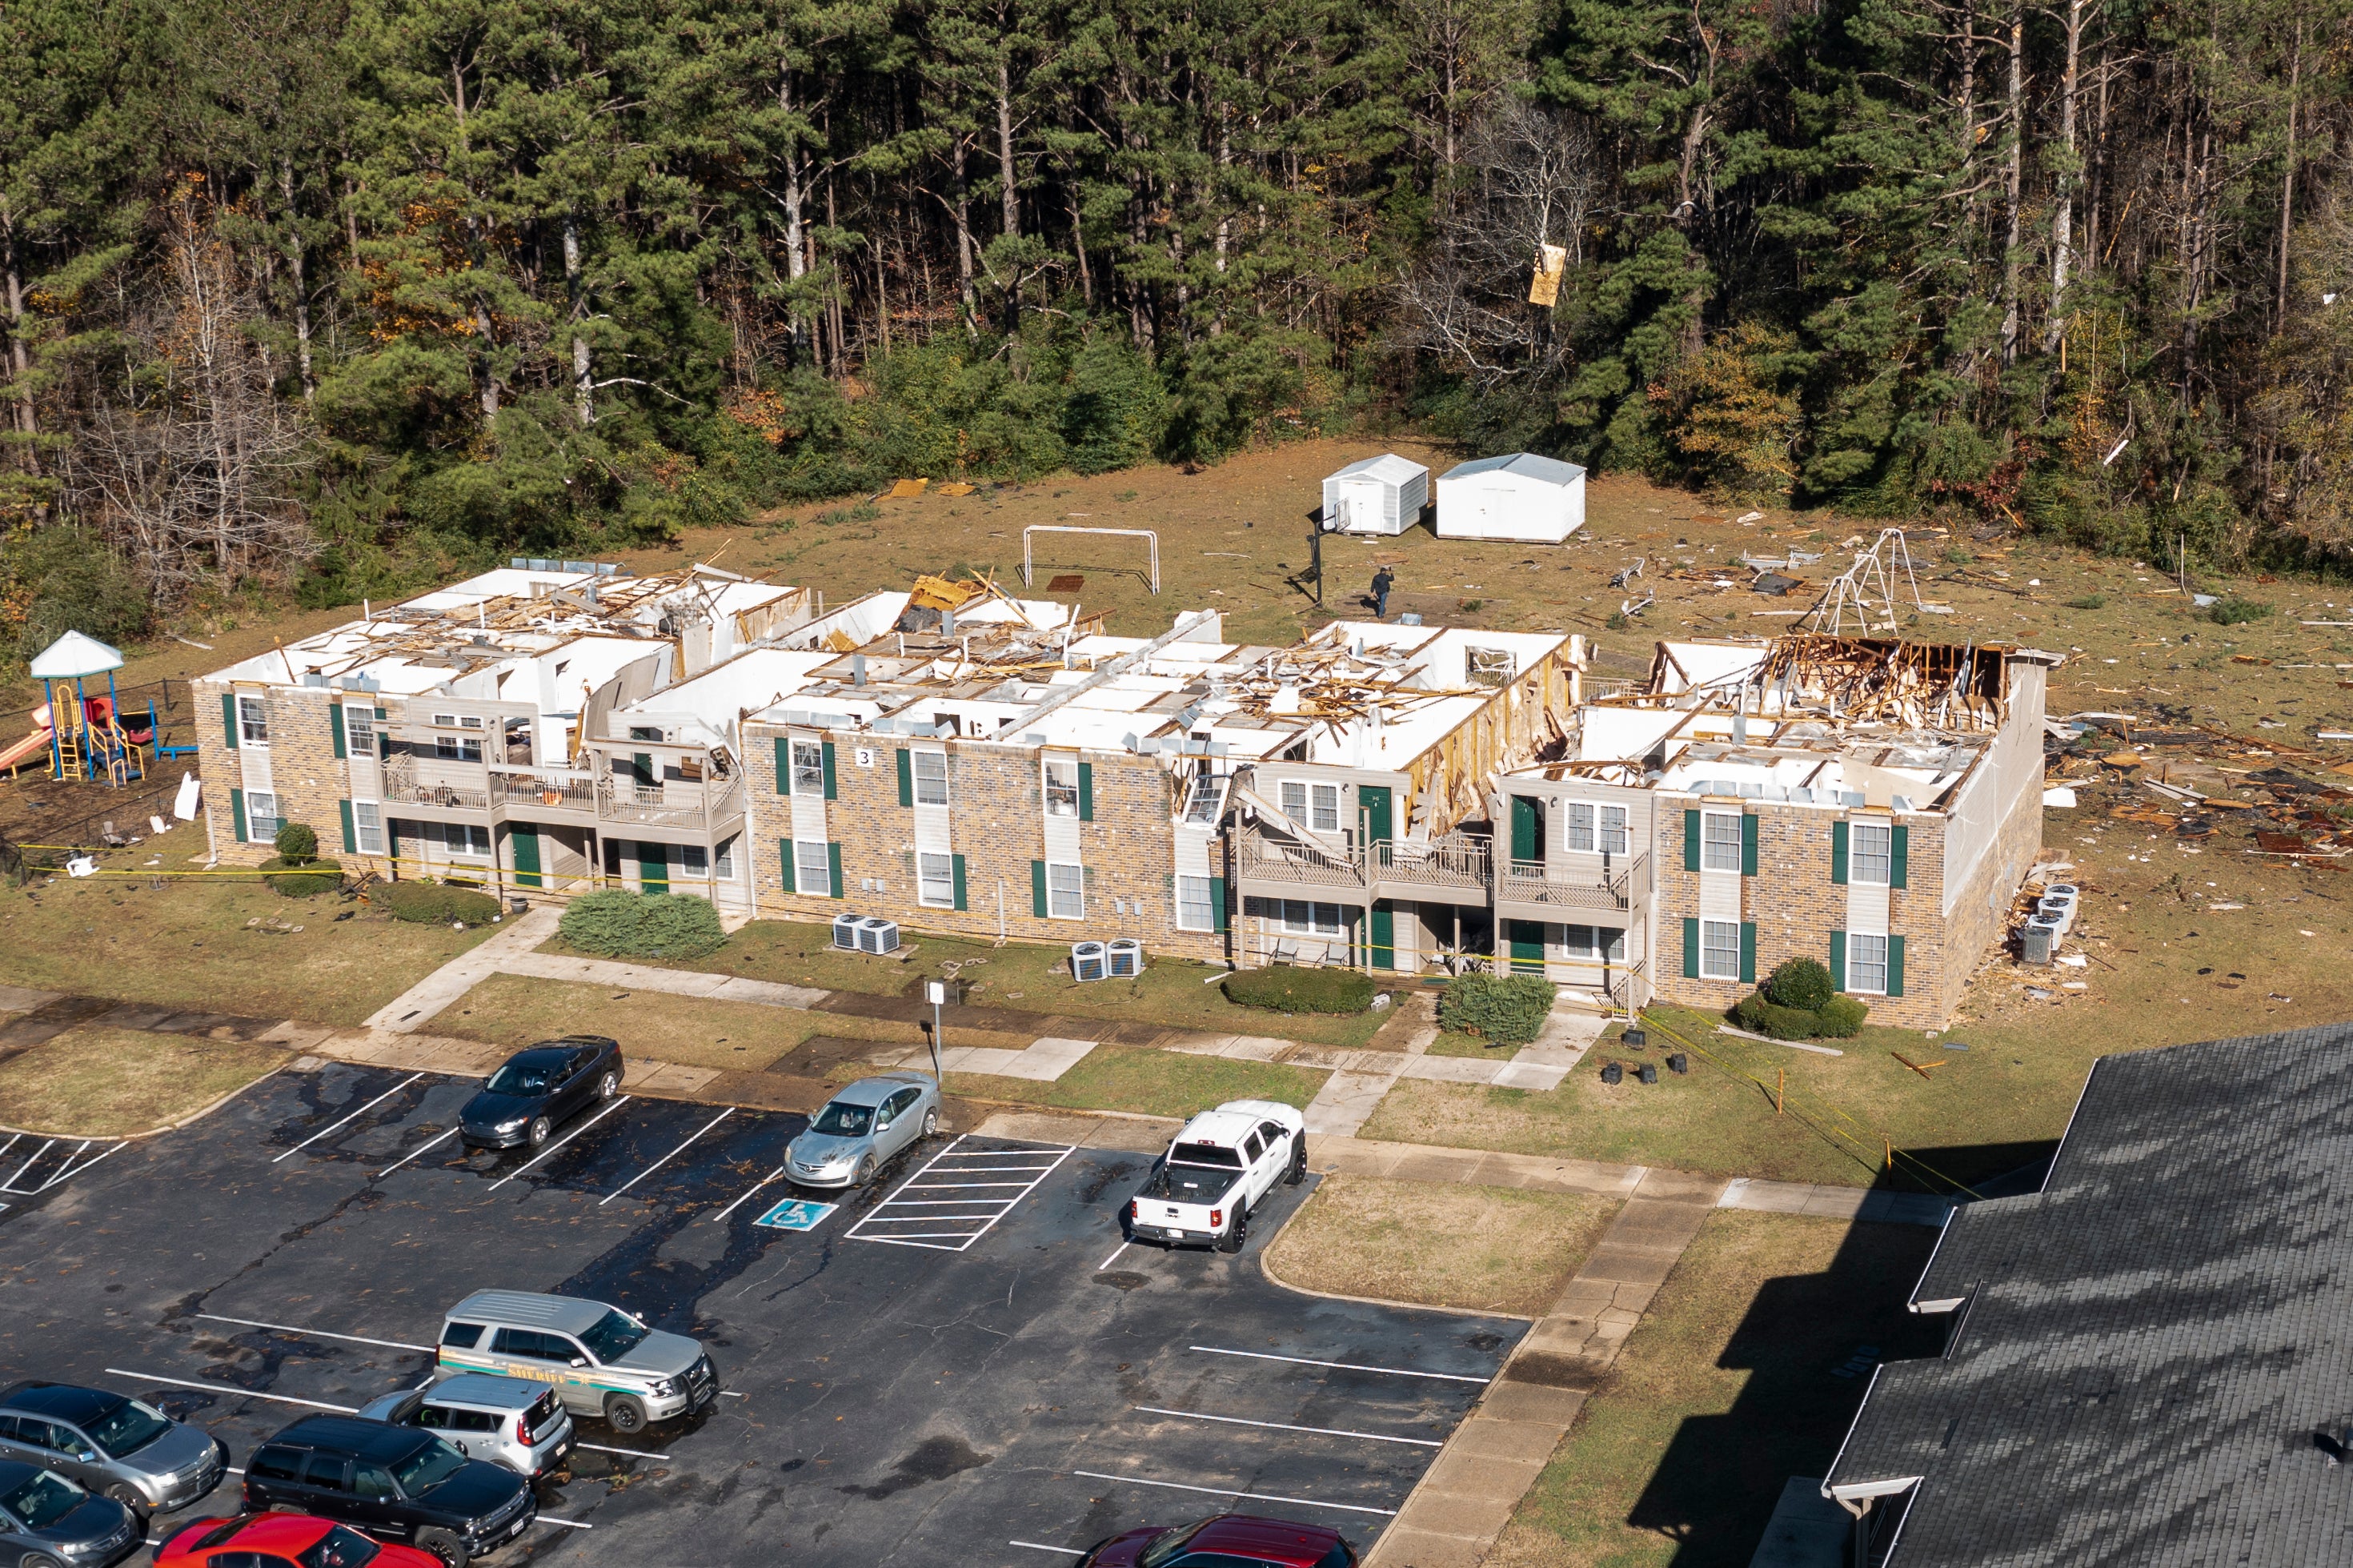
(73, 656)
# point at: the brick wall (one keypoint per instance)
(995, 807)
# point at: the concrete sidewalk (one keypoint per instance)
(418, 1005)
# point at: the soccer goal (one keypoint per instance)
(1029, 560)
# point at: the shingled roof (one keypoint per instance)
(2142, 1353)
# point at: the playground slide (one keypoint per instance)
(24, 751)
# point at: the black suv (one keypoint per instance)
(394, 1482)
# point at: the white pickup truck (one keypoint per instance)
(1220, 1167)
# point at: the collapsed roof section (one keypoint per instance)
(1841, 681)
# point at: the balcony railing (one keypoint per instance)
(1562, 888)
(1449, 864)
(671, 805)
(564, 792)
(401, 785)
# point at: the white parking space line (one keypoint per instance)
(560, 1142)
(1343, 1366)
(68, 1170)
(878, 1224)
(1230, 1492)
(666, 1159)
(1114, 1257)
(354, 1117)
(1041, 1546)
(632, 1453)
(10, 1184)
(315, 1333)
(1286, 1426)
(232, 1388)
(417, 1150)
(566, 1523)
(747, 1197)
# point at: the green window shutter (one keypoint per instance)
(1748, 844)
(1895, 966)
(832, 789)
(1838, 854)
(1899, 856)
(1691, 944)
(336, 726)
(906, 776)
(955, 864)
(1838, 960)
(1037, 888)
(1217, 905)
(1690, 839)
(1086, 792)
(228, 726)
(236, 813)
(784, 766)
(784, 852)
(351, 829)
(1748, 949)
(833, 863)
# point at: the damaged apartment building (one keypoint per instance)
(956, 759)
(1872, 804)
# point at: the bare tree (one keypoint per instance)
(190, 467)
(1530, 181)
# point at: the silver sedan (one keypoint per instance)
(861, 1128)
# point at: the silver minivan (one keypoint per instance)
(601, 1360)
(122, 1448)
(510, 1421)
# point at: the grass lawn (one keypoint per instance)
(96, 1081)
(1450, 1044)
(514, 1010)
(1149, 1083)
(1746, 1372)
(1170, 992)
(1490, 1249)
(204, 943)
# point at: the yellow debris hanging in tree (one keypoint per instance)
(1552, 261)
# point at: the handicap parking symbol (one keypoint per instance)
(796, 1214)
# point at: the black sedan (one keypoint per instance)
(537, 1088)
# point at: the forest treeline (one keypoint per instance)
(323, 296)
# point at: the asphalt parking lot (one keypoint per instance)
(962, 1364)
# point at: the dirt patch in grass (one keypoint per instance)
(743, 1037)
(1170, 993)
(1746, 1372)
(99, 1082)
(1486, 1249)
(1149, 1083)
(215, 944)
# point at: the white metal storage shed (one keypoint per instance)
(1382, 494)
(1521, 496)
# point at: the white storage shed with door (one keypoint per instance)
(1382, 494)
(1521, 496)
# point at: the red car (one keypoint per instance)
(281, 1540)
(1229, 1541)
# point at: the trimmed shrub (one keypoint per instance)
(430, 904)
(1509, 1010)
(1842, 1017)
(297, 844)
(1803, 984)
(1761, 1014)
(1287, 988)
(617, 923)
(314, 877)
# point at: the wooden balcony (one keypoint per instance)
(675, 804)
(1541, 890)
(1270, 864)
(527, 796)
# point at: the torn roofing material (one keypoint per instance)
(2150, 1358)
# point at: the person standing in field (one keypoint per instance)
(1383, 580)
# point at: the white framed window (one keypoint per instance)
(1326, 807)
(1608, 942)
(935, 880)
(1205, 800)
(1719, 847)
(930, 777)
(252, 722)
(1719, 948)
(367, 826)
(467, 839)
(1062, 787)
(457, 748)
(727, 861)
(261, 818)
(1303, 919)
(1867, 845)
(809, 768)
(470, 721)
(1866, 964)
(1614, 840)
(1196, 907)
(694, 860)
(1578, 826)
(1294, 802)
(359, 729)
(1066, 892)
(813, 867)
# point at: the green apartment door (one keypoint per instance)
(1375, 804)
(653, 867)
(524, 838)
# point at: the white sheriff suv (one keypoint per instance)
(1220, 1167)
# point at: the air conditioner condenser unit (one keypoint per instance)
(876, 934)
(1087, 961)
